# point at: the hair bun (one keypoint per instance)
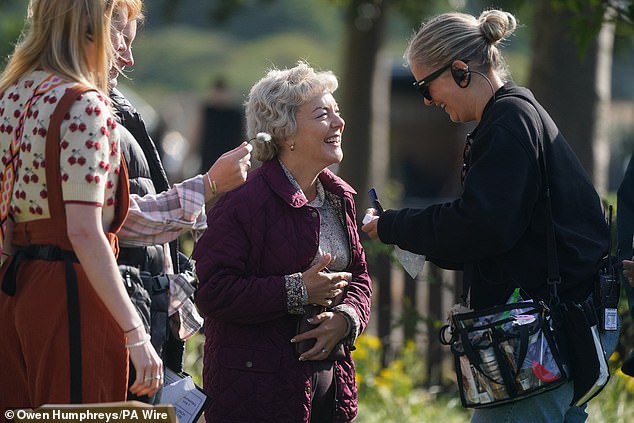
(263, 137)
(496, 25)
(263, 146)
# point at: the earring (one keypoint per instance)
(292, 147)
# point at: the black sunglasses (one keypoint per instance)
(423, 84)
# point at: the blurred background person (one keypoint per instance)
(221, 122)
(283, 241)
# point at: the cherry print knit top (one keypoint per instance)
(89, 148)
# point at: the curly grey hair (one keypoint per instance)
(274, 100)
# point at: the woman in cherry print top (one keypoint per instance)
(63, 197)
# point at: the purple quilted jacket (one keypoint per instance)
(259, 233)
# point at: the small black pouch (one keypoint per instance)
(135, 288)
(303, 325)
(577, 327)
(158, 288)
(149, 295)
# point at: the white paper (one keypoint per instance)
(412, 263)
(184, 395)
(369, 218)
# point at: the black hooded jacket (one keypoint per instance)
(496, 230)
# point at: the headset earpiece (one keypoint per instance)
(461, 76)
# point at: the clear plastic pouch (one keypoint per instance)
(504, 354)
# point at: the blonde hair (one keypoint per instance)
(274, 100)
(56, 39)
(459, 36)
(135, 9)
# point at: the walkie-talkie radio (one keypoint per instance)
(608, 289)
(374, 199)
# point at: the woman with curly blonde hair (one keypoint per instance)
(285, 254)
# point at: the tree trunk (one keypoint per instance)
(574, 86)
(365, 28)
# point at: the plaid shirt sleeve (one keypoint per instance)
(184, 318)
(160, 218)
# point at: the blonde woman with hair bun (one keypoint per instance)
(68, 326)
(495, 232)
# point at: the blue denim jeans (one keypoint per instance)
(549, 407)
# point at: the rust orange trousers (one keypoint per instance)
(37, 356)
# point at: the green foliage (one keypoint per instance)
(393, 394)
(11, 22)
(374, 249)
(224, 10)
(197, 56)
(626, 340)
(586, 17)
(414, 10)
(613, 404)
(193, 362)
(190, 51)
(247, 20)
(282, 50)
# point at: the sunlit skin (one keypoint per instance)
(316, 143)
(122, 35)
(91, 55)
(461, 104)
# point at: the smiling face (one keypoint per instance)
(317, 141)
(446, 94)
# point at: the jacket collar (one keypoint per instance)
(275, 177)
(509, 89)
(122, 105)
